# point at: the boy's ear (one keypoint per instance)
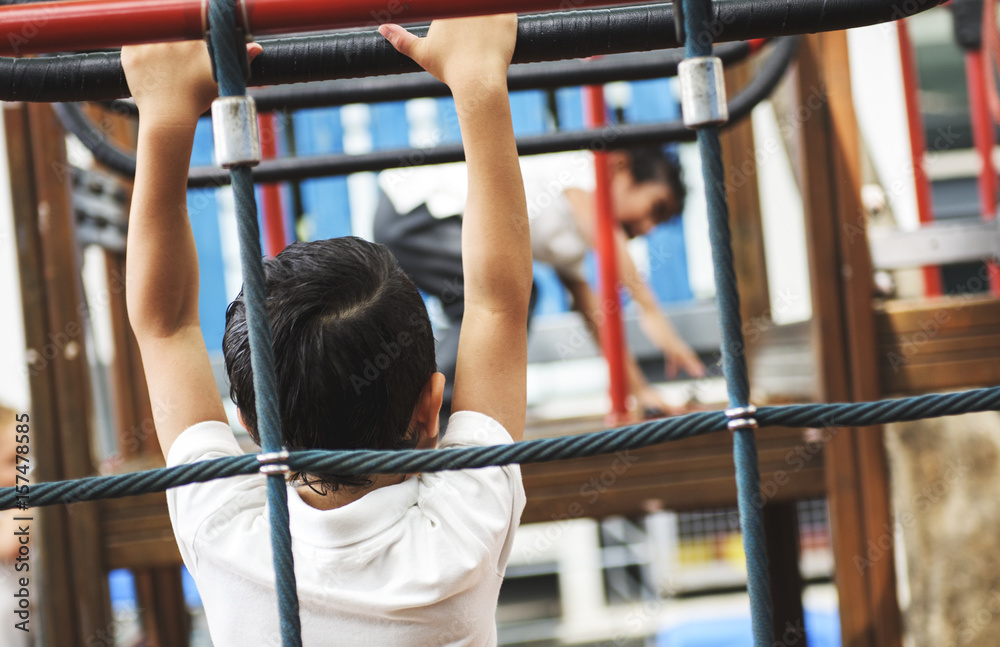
(618, 161)
(428, 409)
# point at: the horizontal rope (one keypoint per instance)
(852, 414)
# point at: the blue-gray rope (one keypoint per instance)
(837, 415)
(228, 52)
(698, 42)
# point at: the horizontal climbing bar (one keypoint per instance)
(98, 76)
(102, 24)
(300, 168)
(862, 414)
(533, 76)
(37, 28)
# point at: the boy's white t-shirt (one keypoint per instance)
(417, 563)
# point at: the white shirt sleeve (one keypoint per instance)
(485, 503)
(194, 508)
(556, 238)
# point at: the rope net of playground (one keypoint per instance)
(742, 419)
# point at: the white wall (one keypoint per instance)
(13, 378)
(877, 85)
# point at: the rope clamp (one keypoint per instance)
(274, 462)
(234, 124)
(703, 91)
(742, 417)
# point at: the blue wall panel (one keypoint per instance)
(325, 200)
(528, 111)
(389, 126)
(448, 122)
(570, 103)
(204, 214)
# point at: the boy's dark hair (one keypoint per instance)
(353, 349)
(656, 164)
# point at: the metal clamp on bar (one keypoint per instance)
(742, 418)
(703, 92)
(274, 462)
(234, 124)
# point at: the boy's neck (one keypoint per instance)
(342, 496)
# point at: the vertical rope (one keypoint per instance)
(227, 48)
(698, 42)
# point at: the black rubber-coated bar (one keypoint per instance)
(532, 76)
(298, 168)
(543, 37)
(611, 137)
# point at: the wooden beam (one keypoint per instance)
(859, 289)
(841, 279)
(781, 531)
(55, 600)
(161, 589)
(68, 365)
(819, 201)
(137, 532)
(739, 159)
(938, 344)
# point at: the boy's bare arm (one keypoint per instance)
(172, 85)
(471, 56)
(677, 354)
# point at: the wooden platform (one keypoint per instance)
(938, 344)
(687, 474)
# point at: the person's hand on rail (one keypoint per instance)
(172, 82)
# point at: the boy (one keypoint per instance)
(383, 560)
(419, 219)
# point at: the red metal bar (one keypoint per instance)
(97, 24)
(612, 328)
(273, 215)
(982, 134)
(918, 146)
(283, 16)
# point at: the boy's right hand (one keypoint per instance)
(172, 82)
(458, 51)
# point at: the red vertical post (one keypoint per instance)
(982, 134)
(274, 220)
(918, 146)
(612, 330)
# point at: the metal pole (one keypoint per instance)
(982, 134)
(273, 214)
(101, 24)
(612, 329)
(918, 146)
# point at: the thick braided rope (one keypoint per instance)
(698, 42)
(364, 462)
(851, 414)
(227, 48)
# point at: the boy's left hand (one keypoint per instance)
(172, 82)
